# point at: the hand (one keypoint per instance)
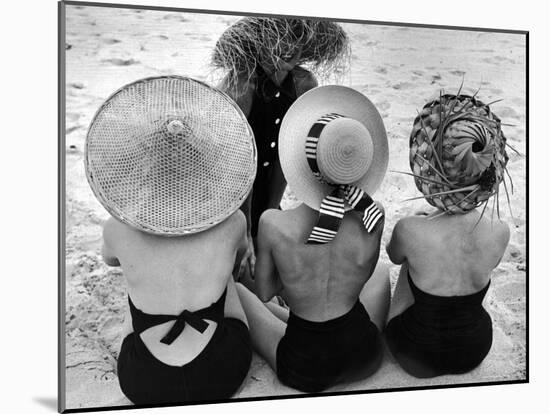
(248, 261)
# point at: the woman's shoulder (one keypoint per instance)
(241, 90)
(304, 80)
(437, 227)
(414, 230)
(494, 230)
(227, 232)
(276, 224)
(301, 72)
(236, 222)
(113, 230)
(239, 81)
(270, 219)
(410, 224)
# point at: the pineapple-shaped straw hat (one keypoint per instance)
(458, 153)
(170, 155)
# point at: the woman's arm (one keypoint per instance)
(303, 80)
(109, 256)
(127, 327)
(242, 93)
(246, 208)
(277, 186)
(242, 246)
(268, 283)
(503, 238)
(248, 258)
(396, 247)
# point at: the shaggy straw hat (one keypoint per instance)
(170, 155)
(251, 41)
(352, 148)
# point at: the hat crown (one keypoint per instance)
(344, 151)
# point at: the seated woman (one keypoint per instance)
(263, 62)
(173, 176)
(321, 258)
(437, 323)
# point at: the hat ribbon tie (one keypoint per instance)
(332, 207)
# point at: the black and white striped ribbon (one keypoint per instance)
(332, 207)
(312, 141)
(361, 201)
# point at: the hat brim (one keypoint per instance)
(296, 124)
(126, 156)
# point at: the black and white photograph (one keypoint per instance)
(260, 206)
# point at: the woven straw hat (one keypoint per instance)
(457, 153)
(170, 155)
(352, 148)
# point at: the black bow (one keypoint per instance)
(183, 318)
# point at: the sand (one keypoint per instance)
(398, 68)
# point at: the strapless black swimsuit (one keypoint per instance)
(215, 374)
(313, 356)
(440, 335)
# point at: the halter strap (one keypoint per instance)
(142, 321)
(186, 317)
(332, 207)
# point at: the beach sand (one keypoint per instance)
(398, 68)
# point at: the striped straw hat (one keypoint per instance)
(333, 144)
(170, 155)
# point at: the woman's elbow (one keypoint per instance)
(394, 256)
(397, 259)
(108, 258)
(111, 261)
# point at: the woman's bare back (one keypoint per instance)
(166, 275)
(320, 282)
(452, 255)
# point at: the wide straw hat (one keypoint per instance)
(170, 155)
(352, 148)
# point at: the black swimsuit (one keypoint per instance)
(440, 335)
(215, 374)
(313, 356)
(268, 109)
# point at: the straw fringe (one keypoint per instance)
(251, 40)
